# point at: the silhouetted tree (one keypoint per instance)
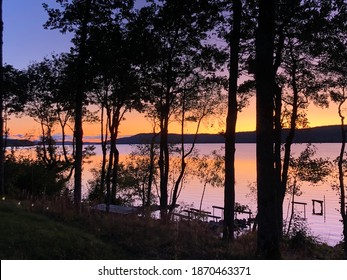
(79, 17)
(117, 88)
(305, 168)
(210, 171)
(64, 102)
(229, 189)
(41, 107)
(301, 30)
(340, 98)
(236, 29)
(177, 31)
(332, 50)
(15, 83)
(299, 82)
(195, 107)
(268, 235)
(75, 16)
(50, 105)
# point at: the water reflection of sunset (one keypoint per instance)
(328, 227)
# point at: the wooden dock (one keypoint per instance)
(117, 209)
(196, 214)
(239, 223)
(207, 216)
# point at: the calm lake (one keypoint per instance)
(326, 226)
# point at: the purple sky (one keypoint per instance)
(25, 39)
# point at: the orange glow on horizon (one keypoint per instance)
(136, 123)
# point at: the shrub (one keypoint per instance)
(26, 177)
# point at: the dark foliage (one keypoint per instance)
(29, 178)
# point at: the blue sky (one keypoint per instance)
(25, 39)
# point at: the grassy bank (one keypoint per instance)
(55, 231)
(30, 235)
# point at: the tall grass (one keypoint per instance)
(51, 229)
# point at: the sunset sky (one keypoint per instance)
(26, 41)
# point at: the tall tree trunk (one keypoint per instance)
(183, 158)
(229, 188)
(44, 142)
(111, 124)
(278, 158)
(115, 173)
(2, 148)
(267, 238)
(288, 144)
(62, 125)
(112, 171)
(278, 112)
(177, 185)
(185, 154)
(79, 98)
(151, 169)
(292, 207)
(79, 149)
(164, 160)
(341, 175)
(164, 155)
(104, 140)
(114, 136)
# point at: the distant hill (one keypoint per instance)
(145, 138)
(19, 143)
(323, 134)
